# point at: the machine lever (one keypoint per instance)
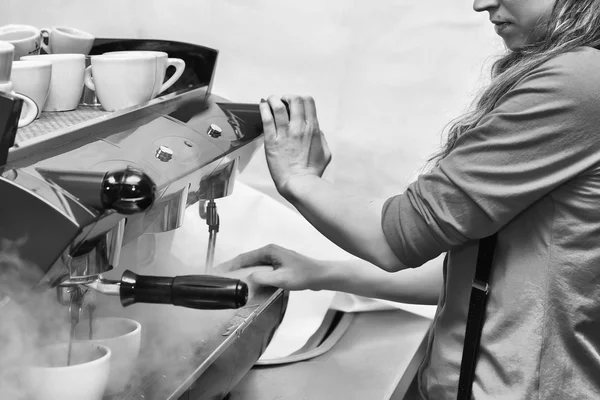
(206, 292)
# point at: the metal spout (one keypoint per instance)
(106, 286)
(72, 296)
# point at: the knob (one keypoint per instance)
(214, 131)
(126, 191)
(164, 153)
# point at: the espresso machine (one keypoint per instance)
(76, 188)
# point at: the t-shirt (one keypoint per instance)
(530, 171)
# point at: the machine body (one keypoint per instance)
(71, 199)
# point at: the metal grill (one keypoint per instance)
(54, 122)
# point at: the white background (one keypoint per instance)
(386, 75)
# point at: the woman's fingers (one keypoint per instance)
(310, 112)
(266, 115)
(279, 112)
(287, 110)
(262, 256)
(268, 278)
(296, 110)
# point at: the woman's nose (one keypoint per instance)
(484, 5)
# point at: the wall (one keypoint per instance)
(386, 75)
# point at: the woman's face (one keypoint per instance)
(515, 20)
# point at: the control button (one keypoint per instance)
(164, 153)
(214, 131)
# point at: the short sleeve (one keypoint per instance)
(542, 133)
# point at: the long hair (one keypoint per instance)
(572, 24)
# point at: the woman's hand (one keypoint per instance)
(294, 144)
(290, 271)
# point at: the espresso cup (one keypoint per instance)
(122, 82)
(123, 337)
(66, 81)
(29, 112)
(32, 78)
(26, 39)
(163, 62)
(7, 52)
(49, 378)
(66, 40)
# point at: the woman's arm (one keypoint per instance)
(293, 271)
(540, 135)
(351, 222)
(297, 154)
(421, 285)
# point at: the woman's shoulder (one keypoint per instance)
(581, 59)
(581, 63)
(575, 73)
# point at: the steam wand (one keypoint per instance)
(212, 220)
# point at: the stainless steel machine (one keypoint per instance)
(77, 187)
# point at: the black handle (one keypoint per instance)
(205, 292)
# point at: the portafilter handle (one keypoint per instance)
(205, 292)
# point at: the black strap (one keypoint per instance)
(479, 293)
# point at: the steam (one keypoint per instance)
(29, 320)
(173, 340)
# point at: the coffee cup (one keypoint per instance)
(66, 82)
(7, 52)
(122, 336)
(123, 81)
(49, 377)
(29, 112)
(32, 78)
(27, 39)
(163, 62)
(66, 40)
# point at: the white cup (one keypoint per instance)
(123, 337)
(50, 378)
(66, 40)
(122, 82)
(66, 82)
(29, 112)
(27, 39)
(32, 78)
(163, 62)
(7, 53)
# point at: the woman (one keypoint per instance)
(525, 164)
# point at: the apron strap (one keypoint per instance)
(479, 293)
